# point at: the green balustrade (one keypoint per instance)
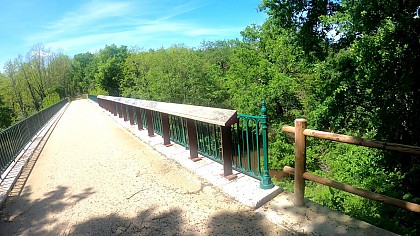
(143, 118)
(178, 130)
(249, 135)
(157, 122)
(251, 154)
(93, 98)
(209, 143)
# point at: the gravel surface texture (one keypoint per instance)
(94, 178)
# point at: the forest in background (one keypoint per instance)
(349, 67)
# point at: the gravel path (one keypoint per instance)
(94, 178)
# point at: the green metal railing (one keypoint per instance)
(246, 141)
(93, 98)
(247, 138)
(157, 122)
(177, 130)
(14, 139)
(209, 143)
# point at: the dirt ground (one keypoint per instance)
(94, 178)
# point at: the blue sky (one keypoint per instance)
(77, 26)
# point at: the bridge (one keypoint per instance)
(92, 171)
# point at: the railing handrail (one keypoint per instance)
(300, 173)
(217, 116)
(342, 138)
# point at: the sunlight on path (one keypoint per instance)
(93, 177)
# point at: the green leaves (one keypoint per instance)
(178, 74)
(109, 74)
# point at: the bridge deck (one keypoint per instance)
(93, 177)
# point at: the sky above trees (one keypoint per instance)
(80, 26)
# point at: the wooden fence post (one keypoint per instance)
(300, 161)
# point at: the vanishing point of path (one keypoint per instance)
(95, 178)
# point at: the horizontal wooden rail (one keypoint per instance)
(357, 191)
(300, 162)
(356, 141)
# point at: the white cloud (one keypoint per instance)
(149, 24)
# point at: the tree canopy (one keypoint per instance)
(346, 66)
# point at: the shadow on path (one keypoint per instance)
(22, 216)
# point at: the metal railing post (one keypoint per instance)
(266, 182)
(130, 114)
(114, 108)
(165, 129)
(120, 110)
(110, 107)
(124, 109)
(227, 154)
(300, 162)
(149, 121)
(139, 120)
(192, 139)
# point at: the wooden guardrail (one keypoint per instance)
(300, 173)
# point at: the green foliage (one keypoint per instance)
(98, 91)
(6, 113)
(177, 74)
(50, 99)
(347, 66)
(109, 74)
(354, 72)
(83, 70)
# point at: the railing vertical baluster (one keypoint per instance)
(149, 120)
(300, 161)
(257, 134)
(165, 129)
(265, 178)
(139, 120)
(248, 151)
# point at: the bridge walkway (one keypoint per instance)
(95, 178)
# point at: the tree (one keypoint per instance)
(6, 113)
(58, 75)
(109, 74)
(83, 73)
(11, 71)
